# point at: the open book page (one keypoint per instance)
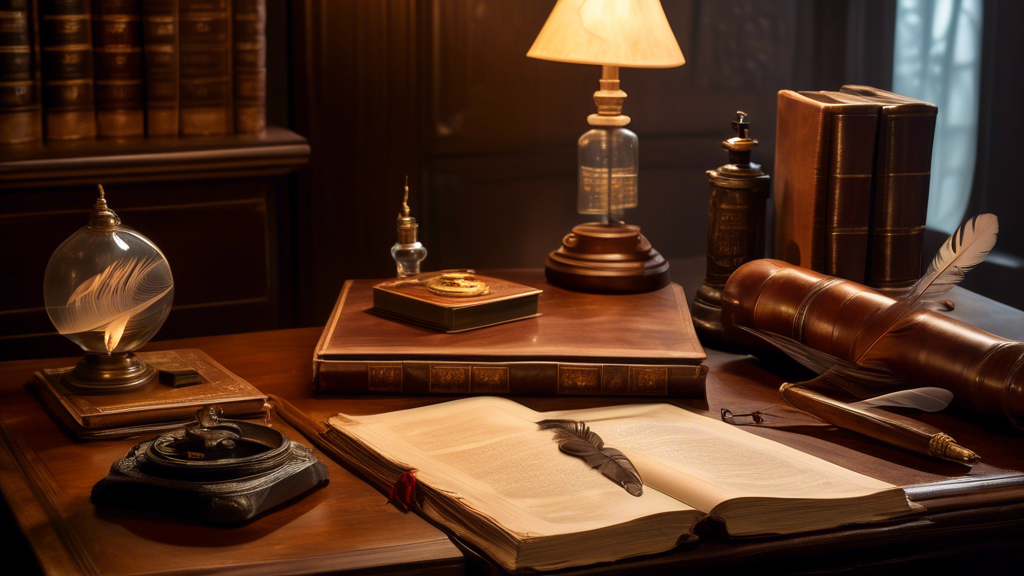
(490, 453)
(706, 463)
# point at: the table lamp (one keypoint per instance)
(608, 256)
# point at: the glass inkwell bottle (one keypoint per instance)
(407, 252)
(108, 289)
(736, 229)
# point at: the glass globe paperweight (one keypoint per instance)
(108, 289)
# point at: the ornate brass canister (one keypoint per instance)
(736, 228)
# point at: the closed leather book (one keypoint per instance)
(823, 168)
(205, 83)
(848, 199)
(581, 344)
(66, 45)
(20, 108)
(902, 176)
(153, 407)
(160, 27)
(250, 65)
(117, 68)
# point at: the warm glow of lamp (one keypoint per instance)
(626, 33)
(609, 256)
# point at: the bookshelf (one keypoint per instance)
(221, 208)
(275, 152)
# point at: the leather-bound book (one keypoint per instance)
(160, 27)
(153, 407)
(205, 88)
(823, 171)
(117, 53)
(250, 65)
(581, 344)
(66, 43)
(902, 175)
(21, 116)
(926, 348)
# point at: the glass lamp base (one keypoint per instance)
(607, 258)
(109, 373)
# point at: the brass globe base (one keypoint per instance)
(607, 258)
(114, 372)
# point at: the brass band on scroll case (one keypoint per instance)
(926, 348)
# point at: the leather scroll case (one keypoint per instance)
(926, 348)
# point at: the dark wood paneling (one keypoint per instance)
(442, 90)
(355, 96)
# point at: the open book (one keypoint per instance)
(487, 473)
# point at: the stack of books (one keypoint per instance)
(852, 172)
(81, 69)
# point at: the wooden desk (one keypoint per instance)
(46, 479)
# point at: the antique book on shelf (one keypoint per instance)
(902, 175)
(249, 19)
(411, 301)
(160, 27)
(66, 45)
(153, 408)
(823, 172)
(21, 115)
(205, 53)
(117, 53)
(582, 344)
(485, 472)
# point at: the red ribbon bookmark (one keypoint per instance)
(403, 493)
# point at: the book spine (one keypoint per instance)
(205, 88)
(801, 180)
(117, 68)
(902, 177)
(848, 200)
(250, 65)
(510, 379)
(66, 42)
(160, 26)
(21, 119)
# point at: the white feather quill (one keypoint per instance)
(964, 250)
(929, 399)
(837, 373)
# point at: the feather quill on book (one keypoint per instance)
(575, 438)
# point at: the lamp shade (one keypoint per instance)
(627, 33)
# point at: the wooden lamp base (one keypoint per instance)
(608, 258)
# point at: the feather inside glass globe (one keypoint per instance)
(108, 289)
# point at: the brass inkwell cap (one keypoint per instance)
(739, 147)
(406, 224)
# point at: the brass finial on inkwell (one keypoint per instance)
(736, 228)
(407, 252)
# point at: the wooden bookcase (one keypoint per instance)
(218, 207)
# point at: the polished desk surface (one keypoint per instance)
(346, 526)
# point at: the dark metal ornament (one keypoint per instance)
(736, 229)
(221, 472)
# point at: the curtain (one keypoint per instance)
(937, 58)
